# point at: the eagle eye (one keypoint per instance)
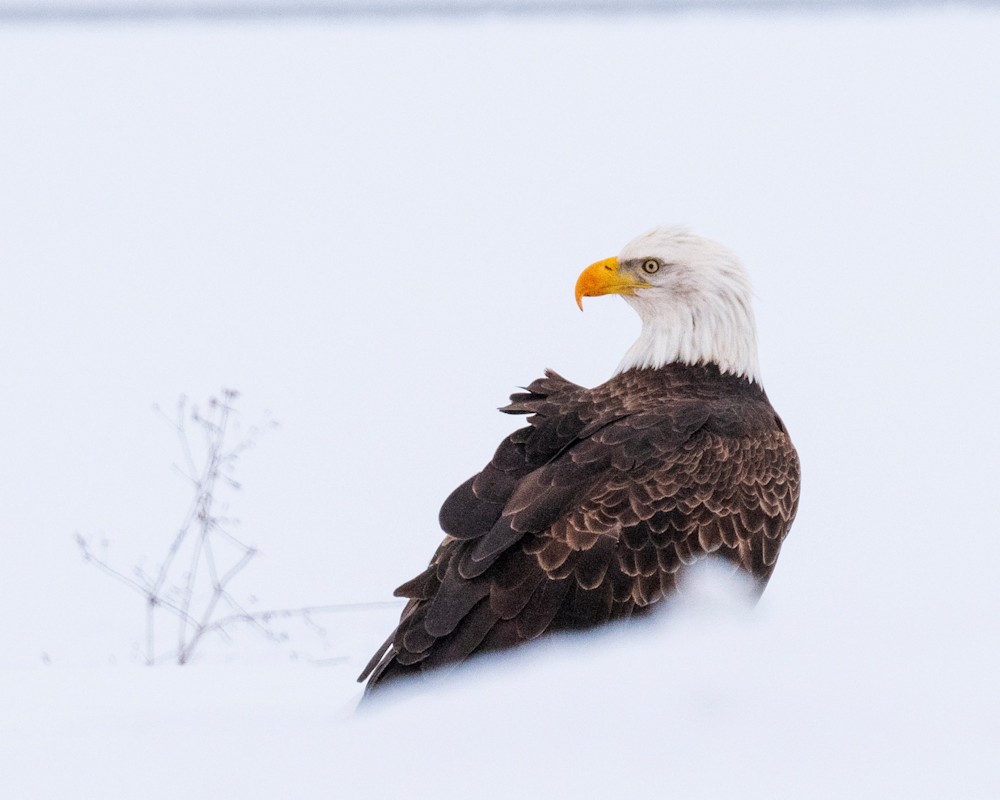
(650, 266)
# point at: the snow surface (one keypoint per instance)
(373, 230)
(219, 9)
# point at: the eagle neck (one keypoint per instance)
(683, 336)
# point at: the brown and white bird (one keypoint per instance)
(589, 513)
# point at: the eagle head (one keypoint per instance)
(692, 295)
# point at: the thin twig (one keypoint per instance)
(201, 534)
(285, 613)
(133, 584)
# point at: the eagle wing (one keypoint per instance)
(585, 516)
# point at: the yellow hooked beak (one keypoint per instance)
(605, 277)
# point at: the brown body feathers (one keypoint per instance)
(587, 514)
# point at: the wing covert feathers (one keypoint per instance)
(588, 513)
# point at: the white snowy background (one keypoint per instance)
(372, 229)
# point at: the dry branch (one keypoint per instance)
(198, 594)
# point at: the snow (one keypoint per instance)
(373, 229)
(49, 10)
(713, 702)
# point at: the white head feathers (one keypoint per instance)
(696, 309)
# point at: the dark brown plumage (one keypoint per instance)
(587, 514)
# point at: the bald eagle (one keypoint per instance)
(590, 513)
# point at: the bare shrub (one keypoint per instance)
(192, 581)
